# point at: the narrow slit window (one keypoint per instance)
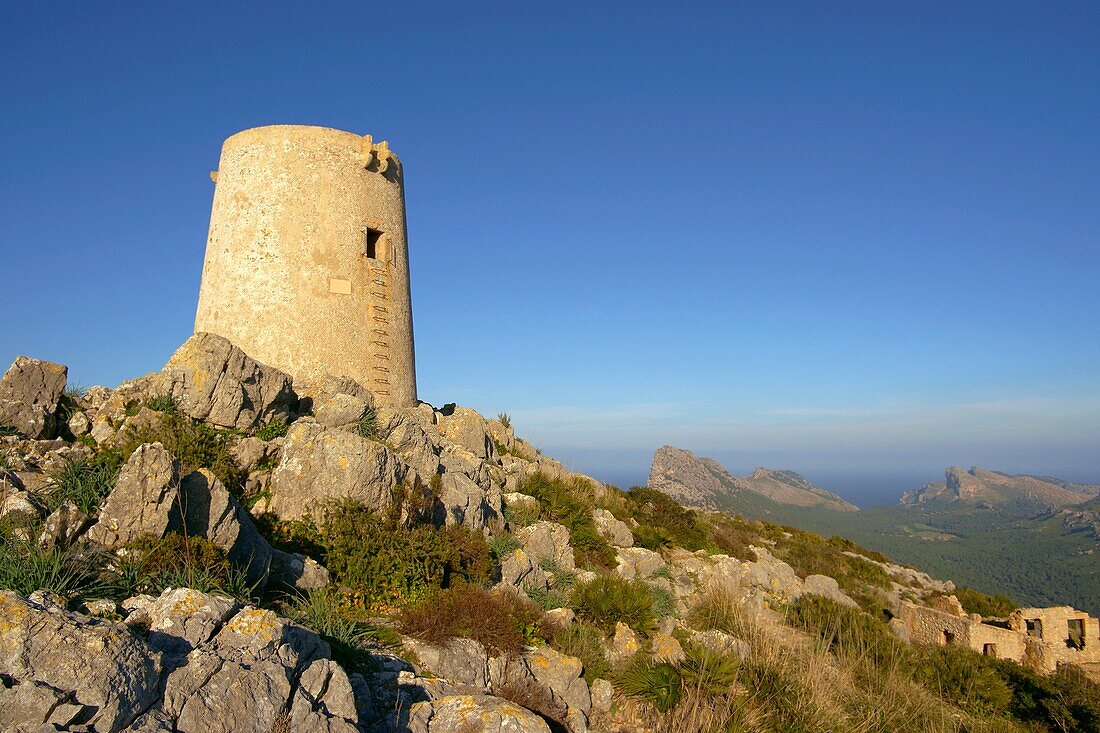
(372, 245)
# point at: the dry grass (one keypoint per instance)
(502, 621)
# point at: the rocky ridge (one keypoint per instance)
(703, 482)
(991, 488)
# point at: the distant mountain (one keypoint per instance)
(981, 487)
(699, 481)
(1036, 538)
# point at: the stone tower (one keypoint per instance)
(307, 265)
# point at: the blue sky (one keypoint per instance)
(859, 240)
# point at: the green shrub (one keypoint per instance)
(324, 611)
(707, 672)
(502, 545)
(965, 678)
(150, 564)
(609, 599)
(160, 403)
(505, 419)
(850, 632)
(1064, 701)
(367, 426)
(5, 460)
(84, 482)
(663, 522)
(569, 503)
(734, 536)
(194, 443)
(547, 598)
(25, 567)
(394, 566)
(718, 609)
(300, 536)
(974, 601)
(502, 621)
(273, 429)
(657, 682)
(810, 554)
(521, 515)
(586, 642)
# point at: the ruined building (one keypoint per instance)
(1039, 638)
(307, 264)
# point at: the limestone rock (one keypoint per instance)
(182, 619)
(465, 713)
(638, 562)
(212, 380)
(29, 393)
(520, 570)
(561, 617)
(412, 436)
(105, 675)
(603, 692)
(79, 424)
(823, 585)
(463, 502)
(144, 501)
(17, 507)
(210, 511)
(560, 676)
(63, 526)
(665, 647)
(467, 428)
(296, 572)
(548, 542)
(614, 531)
(624, 644)
(720, 641)
(462, 661)
(319, 463)
(336, 402)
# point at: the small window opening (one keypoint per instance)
(989, 650)
(948, 638)
(1076, 638)
(373, 243)
(1034, 627)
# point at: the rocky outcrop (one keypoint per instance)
(336, 402)
(207, 665)
(616, 533)
(211, 379)
(703, 482)
(29, 394)
(465, 713)
(144, 501)
(547, 543)
(981, 487)
(322, 463)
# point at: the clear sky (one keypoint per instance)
(858, 240)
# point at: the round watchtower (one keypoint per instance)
(307, 265)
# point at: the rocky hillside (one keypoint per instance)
(703, 482)
(981, 487)
(215, 548)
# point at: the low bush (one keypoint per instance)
(83, 481)
(663, 522)
(502, 545)
(367, 426)
(657, 682)
(570, 503)
(718, 609)
(964, 678)
(608, 599)
(26, 567)
(734, 536)
(974, 601)
(192, 442)
(150, 565)
(324, 610)
(850, 632)
(502, 621)
(273, 429)
(393, 566)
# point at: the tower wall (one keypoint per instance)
(287, 276)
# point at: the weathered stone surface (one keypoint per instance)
(213, 380)
(638, 562)
(617, 533)
(823, 585)
(411, 434)
(465, 714)
(249, 453)
(462, 661)
(624, 644)
(79, 424)
(720, 641)
(467, 428)
(144, 501)
(296, 572)
(18, 507)
(502, 435)
(182, 619)
(320, 463)
(463, 502)
(63, 526)
(520, 570)
(102, 670)
(210, 511)
(336, 402)
(29, 392)
(561, 617)
(548, 542)
(603, 692)
(566, 695)
(665, 647)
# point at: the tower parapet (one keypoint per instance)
(307, 263)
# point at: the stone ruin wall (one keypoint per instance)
(286, 275)
(1056, 632)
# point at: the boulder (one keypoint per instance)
(210, 379)
(144, 501)
(320, 463)
(638, 562)
(720, 641)
(603, 692)
(182, 619)
(520, 570)
(460, 661)
(624, 644)
(210, 511)
(96, 671)
(296, 572)
(616, 533)
(336, 402)
(63, 526)
(463, 502)
(412, 437)
(29, 393)
(548, 543)
(823, 585)
(465, 713)
(665, 647)
(467, 428)
(554, 678)
(18, 508)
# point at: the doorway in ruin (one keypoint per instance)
(1076, 636)
(1034, 627)
(989, 650)
(948, 638)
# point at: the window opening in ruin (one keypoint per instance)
(989, 650)
(1076, 638)
(372, 243)
(948, 638)
(1034, 627)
